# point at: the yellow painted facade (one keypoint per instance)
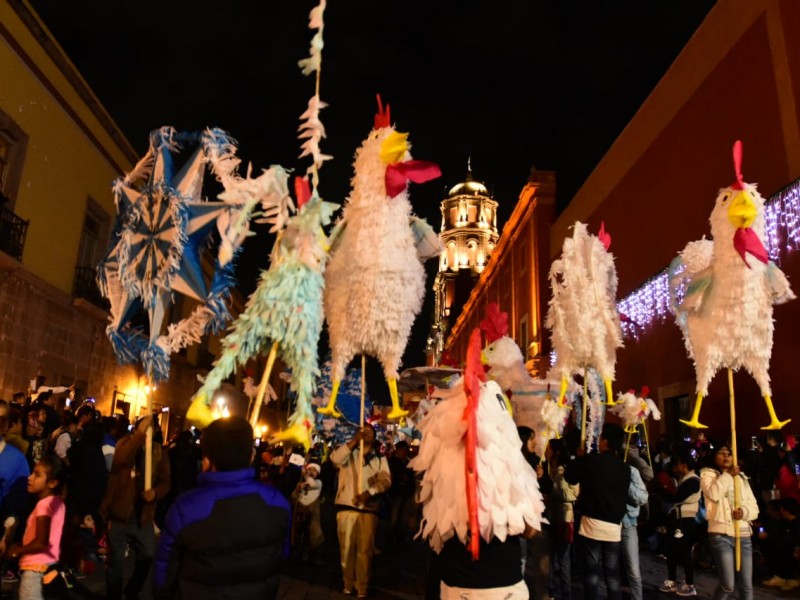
(70, 155)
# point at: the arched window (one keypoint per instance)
(472, 253)
(451, 255)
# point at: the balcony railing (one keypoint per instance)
(86, 287)
(12, 233)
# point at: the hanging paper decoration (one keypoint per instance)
(161, 228)
(311, 128)
(498, 495)
(729, 287)
(375, 281)
(582, 315)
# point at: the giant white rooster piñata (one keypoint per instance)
(375, 281)
(726, 313)
(583, 315)
(529, 397)
(496, 494)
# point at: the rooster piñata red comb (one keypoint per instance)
(737, 165)
(383, 118)
(473, 375)
(495, 325)
(604, 236)
(645, 392)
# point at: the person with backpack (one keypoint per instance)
(682, 525)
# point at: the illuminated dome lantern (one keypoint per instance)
(469, 235)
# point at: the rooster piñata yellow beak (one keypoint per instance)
(394, 147)
(742, 211)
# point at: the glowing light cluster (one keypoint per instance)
(783, 221)
(645, 305)
(650, 303)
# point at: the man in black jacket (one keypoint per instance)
(227, 537)
(604, 479)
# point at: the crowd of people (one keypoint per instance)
(685, 503)
(73, 497)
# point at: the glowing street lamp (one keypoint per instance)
(220, 408)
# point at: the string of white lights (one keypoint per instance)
(650, 302)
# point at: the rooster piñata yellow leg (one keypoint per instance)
(694, 423)
(396, 412)
(774, 422)
(199, 414)
(609, 393)
(562, 394)
(299, 433)
(330, 409)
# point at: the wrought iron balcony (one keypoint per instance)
(85, 287)
(12, 232)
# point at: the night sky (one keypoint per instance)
(512, 84)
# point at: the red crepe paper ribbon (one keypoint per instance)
(473, 375)
(495, 325)
(418, 171)
(302, 190)
(747, 240)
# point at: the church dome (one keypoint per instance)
(469, 187)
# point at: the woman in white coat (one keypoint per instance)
(717, 484)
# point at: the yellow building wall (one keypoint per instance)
(62, 165)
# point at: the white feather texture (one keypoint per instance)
(375, 283)
(582, 315)
(508, 492)
(726, 315)
(554, 418)
(597, 415)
